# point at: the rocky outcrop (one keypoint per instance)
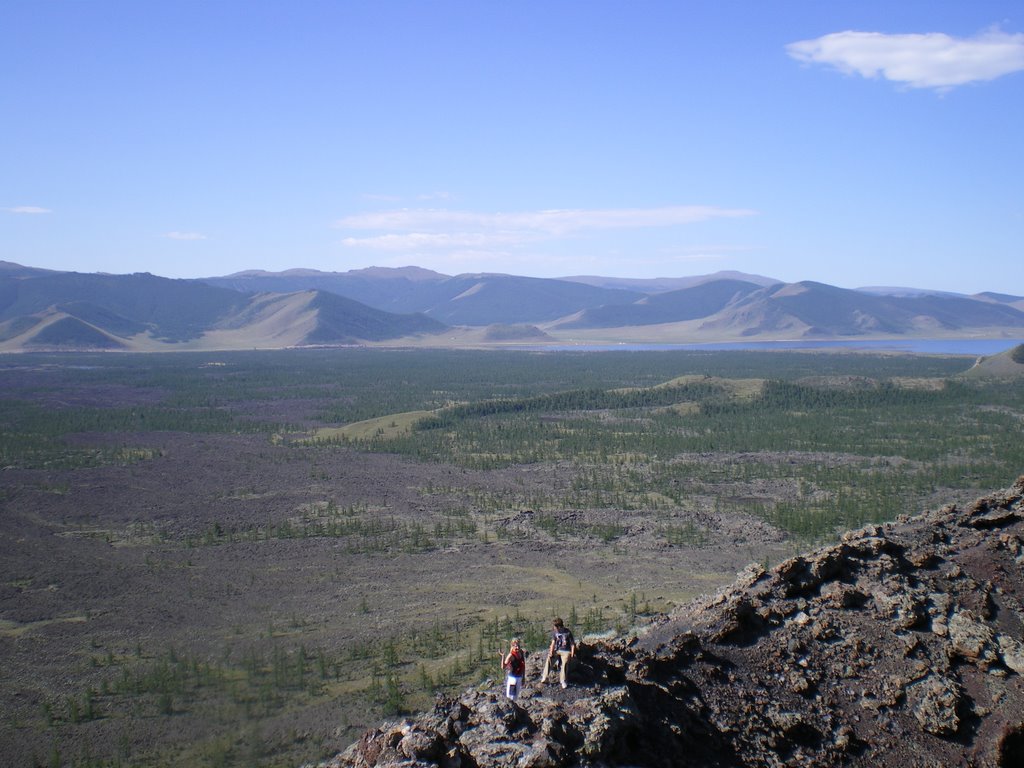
(899, 646)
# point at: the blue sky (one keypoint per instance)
(852, 143)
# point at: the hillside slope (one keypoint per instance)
(392, 290)
(468, 299)
(744, 309)
(42, 310)
(173, 310)
(698, 308)
(900, 646)
(670, 307)
(1005, 365)
(666, 284)
(816, 310)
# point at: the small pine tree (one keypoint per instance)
(394, 701)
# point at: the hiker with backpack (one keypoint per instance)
(564, 645)
(514, 665)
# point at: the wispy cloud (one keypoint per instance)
(30, 209)
(418, 241)
(184, 236)
(442, 227)
(932, 60)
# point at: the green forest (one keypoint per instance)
(905, 428)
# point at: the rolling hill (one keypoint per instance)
(392, 290)
(1005, 365)
(724, 305)
(665, 284)
(740, 309)
(816, 310)
(469, 299)
(43, 310)
(674, 306)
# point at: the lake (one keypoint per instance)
(974, 347)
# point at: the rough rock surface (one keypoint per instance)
(899, 646)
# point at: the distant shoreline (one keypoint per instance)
(913, 346)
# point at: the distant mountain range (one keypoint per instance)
(45, 309)
(67, 310)
(476, 300)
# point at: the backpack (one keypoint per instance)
(516, 664)
(563, 640)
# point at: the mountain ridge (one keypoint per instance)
(476, 299)
(410, 306)
(699, 312)
(141, 312)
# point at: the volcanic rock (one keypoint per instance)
(899, 646)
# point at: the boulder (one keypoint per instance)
(936, 701)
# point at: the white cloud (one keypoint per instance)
(27, 209)
(463, 240)
(932, 60)
(535, 223)
(184, 236)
